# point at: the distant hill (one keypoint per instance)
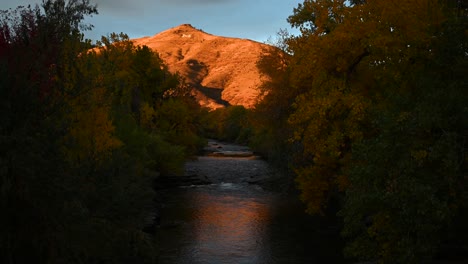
(222, 70)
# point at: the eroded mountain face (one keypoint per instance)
(222, 71)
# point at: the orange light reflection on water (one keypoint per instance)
(230, 223)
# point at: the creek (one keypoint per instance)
(232, 218)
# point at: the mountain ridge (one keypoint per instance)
(221, 70)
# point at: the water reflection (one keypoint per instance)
(230, 225)
(236, 223)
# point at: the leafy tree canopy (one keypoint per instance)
(374, 94)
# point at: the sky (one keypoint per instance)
(252, 19)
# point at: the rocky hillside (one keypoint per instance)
(221, 70)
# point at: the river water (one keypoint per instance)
(234, 221)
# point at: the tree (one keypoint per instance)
(31, 100)
(269, 123)
(372, 118)
(406, 197)
(150, 105)
(64, 176)
(320, 17)
(329, 107)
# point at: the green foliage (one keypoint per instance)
(318, 17)
(158, 100)
(77, 157)
(230, 124)
(150, 150)
(407, 182)
(178, 120)
(270, 128)
(372, 101)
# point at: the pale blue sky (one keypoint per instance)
(252, 19)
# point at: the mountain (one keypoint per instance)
(222, 71)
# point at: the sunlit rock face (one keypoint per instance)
(222, 71)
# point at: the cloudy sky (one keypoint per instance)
(252, 19)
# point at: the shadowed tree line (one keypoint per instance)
(369, 107)
(366, 111)
(366, 108)
(85, 130)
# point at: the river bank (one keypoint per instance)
(226, 162)
(231, 206)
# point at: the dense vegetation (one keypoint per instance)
(367, 108)
(84, 132)
(371, 105)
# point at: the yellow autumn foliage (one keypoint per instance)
(344, 56)
(147, 116)
(90, 135)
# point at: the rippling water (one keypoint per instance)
(240, 223)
